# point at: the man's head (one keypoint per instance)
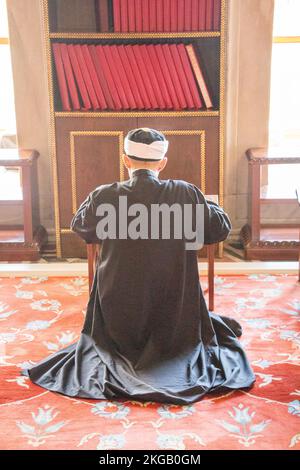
(145, 148)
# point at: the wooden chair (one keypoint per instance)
(93, 251)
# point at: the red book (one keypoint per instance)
(145, 15)
(124, 16)
(117, 79)
(138, 76)
(102, 15)
(160, 15)
(101, 77)
(174, 15)
(202, 15)
(94, 76)
(152, 15)
(167, 76)
(187, 15)
(86, 76)
(138, 15)
(167, 15)
(160, 76)
(195, 14)
(70, 77)
(152, 76)
(209, 15)
(180, 15)
(190, 76)
(109, 77)
(131, 16)
(117, 15)
(182, 75)
(79, 77)
(145, 76)
(199, 76)
(174, 75)
(131, 77)
(62, 83)
(122, 74)
(217, 15)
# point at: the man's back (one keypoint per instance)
(149, 287)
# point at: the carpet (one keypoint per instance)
(41, 315)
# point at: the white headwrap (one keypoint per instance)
(154, 151)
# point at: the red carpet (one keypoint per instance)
(39, 315)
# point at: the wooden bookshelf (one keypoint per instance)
(91, 143)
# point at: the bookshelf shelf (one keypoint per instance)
(86, 146)
(180, 35)
(95, 114)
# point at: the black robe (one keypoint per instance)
(148, 334)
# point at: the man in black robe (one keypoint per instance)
(148, 334)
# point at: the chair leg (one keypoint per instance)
(90, 257)
(211, 276)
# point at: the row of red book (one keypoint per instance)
(133, 76)
(166, 15)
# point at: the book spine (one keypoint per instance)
(190, 76)
(174, 75)
(167, 15)
(101, 77)
(109, 77)
(144, 72)
(94, 77)
(62, 83)
(181, 75)
(209, 15)
(131, 16)
(167, 76)
(174, 15)
(145, 15)
(124, 16)
(152, 15)
(160, 15)
(202, 15)
(199, 76)
(138, 76)
(138, 16)
(180, 15)
(123, 76)
(117, 79)
(152, 76)
(86, 76)
(79, 77)
(187, 15)
(131, 77)
(160, 76)
(117, 15)
(70, 77)
(195, 15)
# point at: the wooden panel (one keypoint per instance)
(97, 159)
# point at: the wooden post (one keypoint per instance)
(211, 276)
(254, 171)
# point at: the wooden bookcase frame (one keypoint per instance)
(48, 36)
